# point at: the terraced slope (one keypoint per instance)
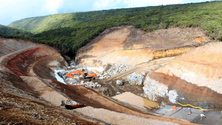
(194, 76)
(31, 94)
(127, 45)
(201, 66)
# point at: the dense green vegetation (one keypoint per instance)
(8, 31)
(73, 30)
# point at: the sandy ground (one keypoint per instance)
(115, 118)
(136, 100)
(44, 91)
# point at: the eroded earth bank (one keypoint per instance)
(165, 67)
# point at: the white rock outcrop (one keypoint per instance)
(153, 90)
(135, 79)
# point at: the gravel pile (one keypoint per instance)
(113, 69)
(136, 79)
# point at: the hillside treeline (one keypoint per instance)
(73, 30)
(8, 31)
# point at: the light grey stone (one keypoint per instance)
(119, 82)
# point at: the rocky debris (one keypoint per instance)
(113, 69)
(89, 84)
(172, 96)
(153, 90)
(135, 79)
(119, 82)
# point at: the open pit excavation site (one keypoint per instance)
(124, 76)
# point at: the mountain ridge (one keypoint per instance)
(74, 30)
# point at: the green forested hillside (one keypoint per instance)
(8, 31)
(72, 30)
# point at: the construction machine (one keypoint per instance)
(91, 75)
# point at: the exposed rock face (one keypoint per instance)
(202, 66)
(187, 93)
(154, 89)
(127, 45)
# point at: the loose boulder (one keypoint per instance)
(119, 82)
(135, 79)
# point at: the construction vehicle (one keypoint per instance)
(91, 75)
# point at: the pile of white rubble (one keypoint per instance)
(113, 69)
